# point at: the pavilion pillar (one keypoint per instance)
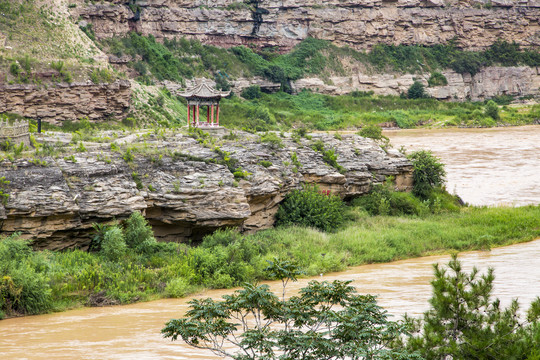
(189, 115)
(197, 114)
(217, 115)
(208, 114)
(212, 115)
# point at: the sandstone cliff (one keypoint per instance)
(357, 23)
(56, 104)
(489, 82)
(180, 184)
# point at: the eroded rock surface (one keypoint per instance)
(360, 24)
(183, 185)
(62, 102)
(487, 83)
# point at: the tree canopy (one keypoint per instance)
(326, 320)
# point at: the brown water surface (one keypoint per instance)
(485, 166)
(133, 331)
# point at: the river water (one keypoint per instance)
(484, 167)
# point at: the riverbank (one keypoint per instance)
(40, 282)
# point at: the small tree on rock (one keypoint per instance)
(416, 91)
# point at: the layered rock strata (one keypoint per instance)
(360, 24)
(489, 82)
(62, 102)
(182, 185)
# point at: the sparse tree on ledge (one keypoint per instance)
(327, 320)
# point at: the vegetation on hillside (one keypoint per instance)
(42, 45)
(180, 59)
(282, 111)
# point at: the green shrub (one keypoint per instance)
(252, 92)
(15, 69)
(492, 110)
(273, 140)
(265, 163)
(374, 132)
(437, 79)
(416, 91)
(428, 172)
(177, 288)
(383, 200)
(221, 237)
(468, 62)
(113, 245)
(99, 76)
(330, 157)
(310, 207)
(139, 234)
(23, 287)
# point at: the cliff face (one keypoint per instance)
(182, 196)
(489, 82)
(357, 23)
(67, 101)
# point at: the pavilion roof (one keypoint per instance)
(203, 90)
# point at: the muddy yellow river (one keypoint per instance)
(484, 166)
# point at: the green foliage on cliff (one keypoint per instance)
(311, 207)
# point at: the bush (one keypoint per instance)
(177, 288)
(113, 245)
(309, 207)
(23, 287)
(416, 91)
(382, 200)
(437, 79)
(99, 76)
(468, 62)
(492, 110)
(374, 132)
(15, 69)
(252, 92)
(428, 172)
(273, 140)
(138, 234)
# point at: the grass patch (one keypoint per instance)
(281, 111)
